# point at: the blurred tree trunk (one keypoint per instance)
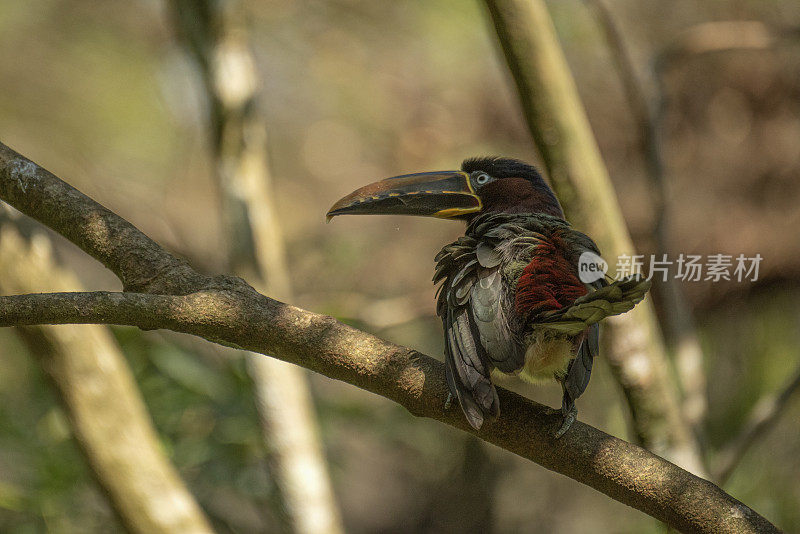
(98, 392)
(217, 38)
(464, 499)
(680, 330)
(560, 128)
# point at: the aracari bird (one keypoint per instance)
(511, 297)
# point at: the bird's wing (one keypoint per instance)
(605, 300)
(584, 316)
(580, 369)
(467, 304)
(552, 295)
(548, 282)
(490, 303)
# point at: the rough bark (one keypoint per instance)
(226, 310)
(216, 36)
(106, 412)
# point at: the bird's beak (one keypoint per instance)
(444, 194)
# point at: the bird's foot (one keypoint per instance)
(569, 418)
(449, 402)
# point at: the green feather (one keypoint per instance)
(614, 299)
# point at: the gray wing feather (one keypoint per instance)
(467, 361)
(580, 369)
(487, 256)
(489, 303)
(468, 370)
(465, 270)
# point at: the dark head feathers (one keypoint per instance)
(539, 197)
(498, 167)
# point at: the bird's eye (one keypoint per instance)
(481, 178)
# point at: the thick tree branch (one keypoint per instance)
(244, 318)
(231, 312)
(135, 258)
(217, 38)
(98, 393)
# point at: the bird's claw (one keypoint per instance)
(569, 418)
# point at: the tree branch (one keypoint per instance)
(136, 259)
(679, 321)
(763, 415)
(217, 37)
(243, 318)
(559, 126)
(714, 38)
(229, 311)
(98, 392)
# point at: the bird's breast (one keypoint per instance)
(546, 356)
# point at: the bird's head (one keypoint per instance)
(483, 185)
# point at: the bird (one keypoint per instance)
(517, 292)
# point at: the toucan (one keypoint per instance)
(522, 292)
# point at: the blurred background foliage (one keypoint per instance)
(99, 93)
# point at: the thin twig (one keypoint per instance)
(714, 38)
(762, 416)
